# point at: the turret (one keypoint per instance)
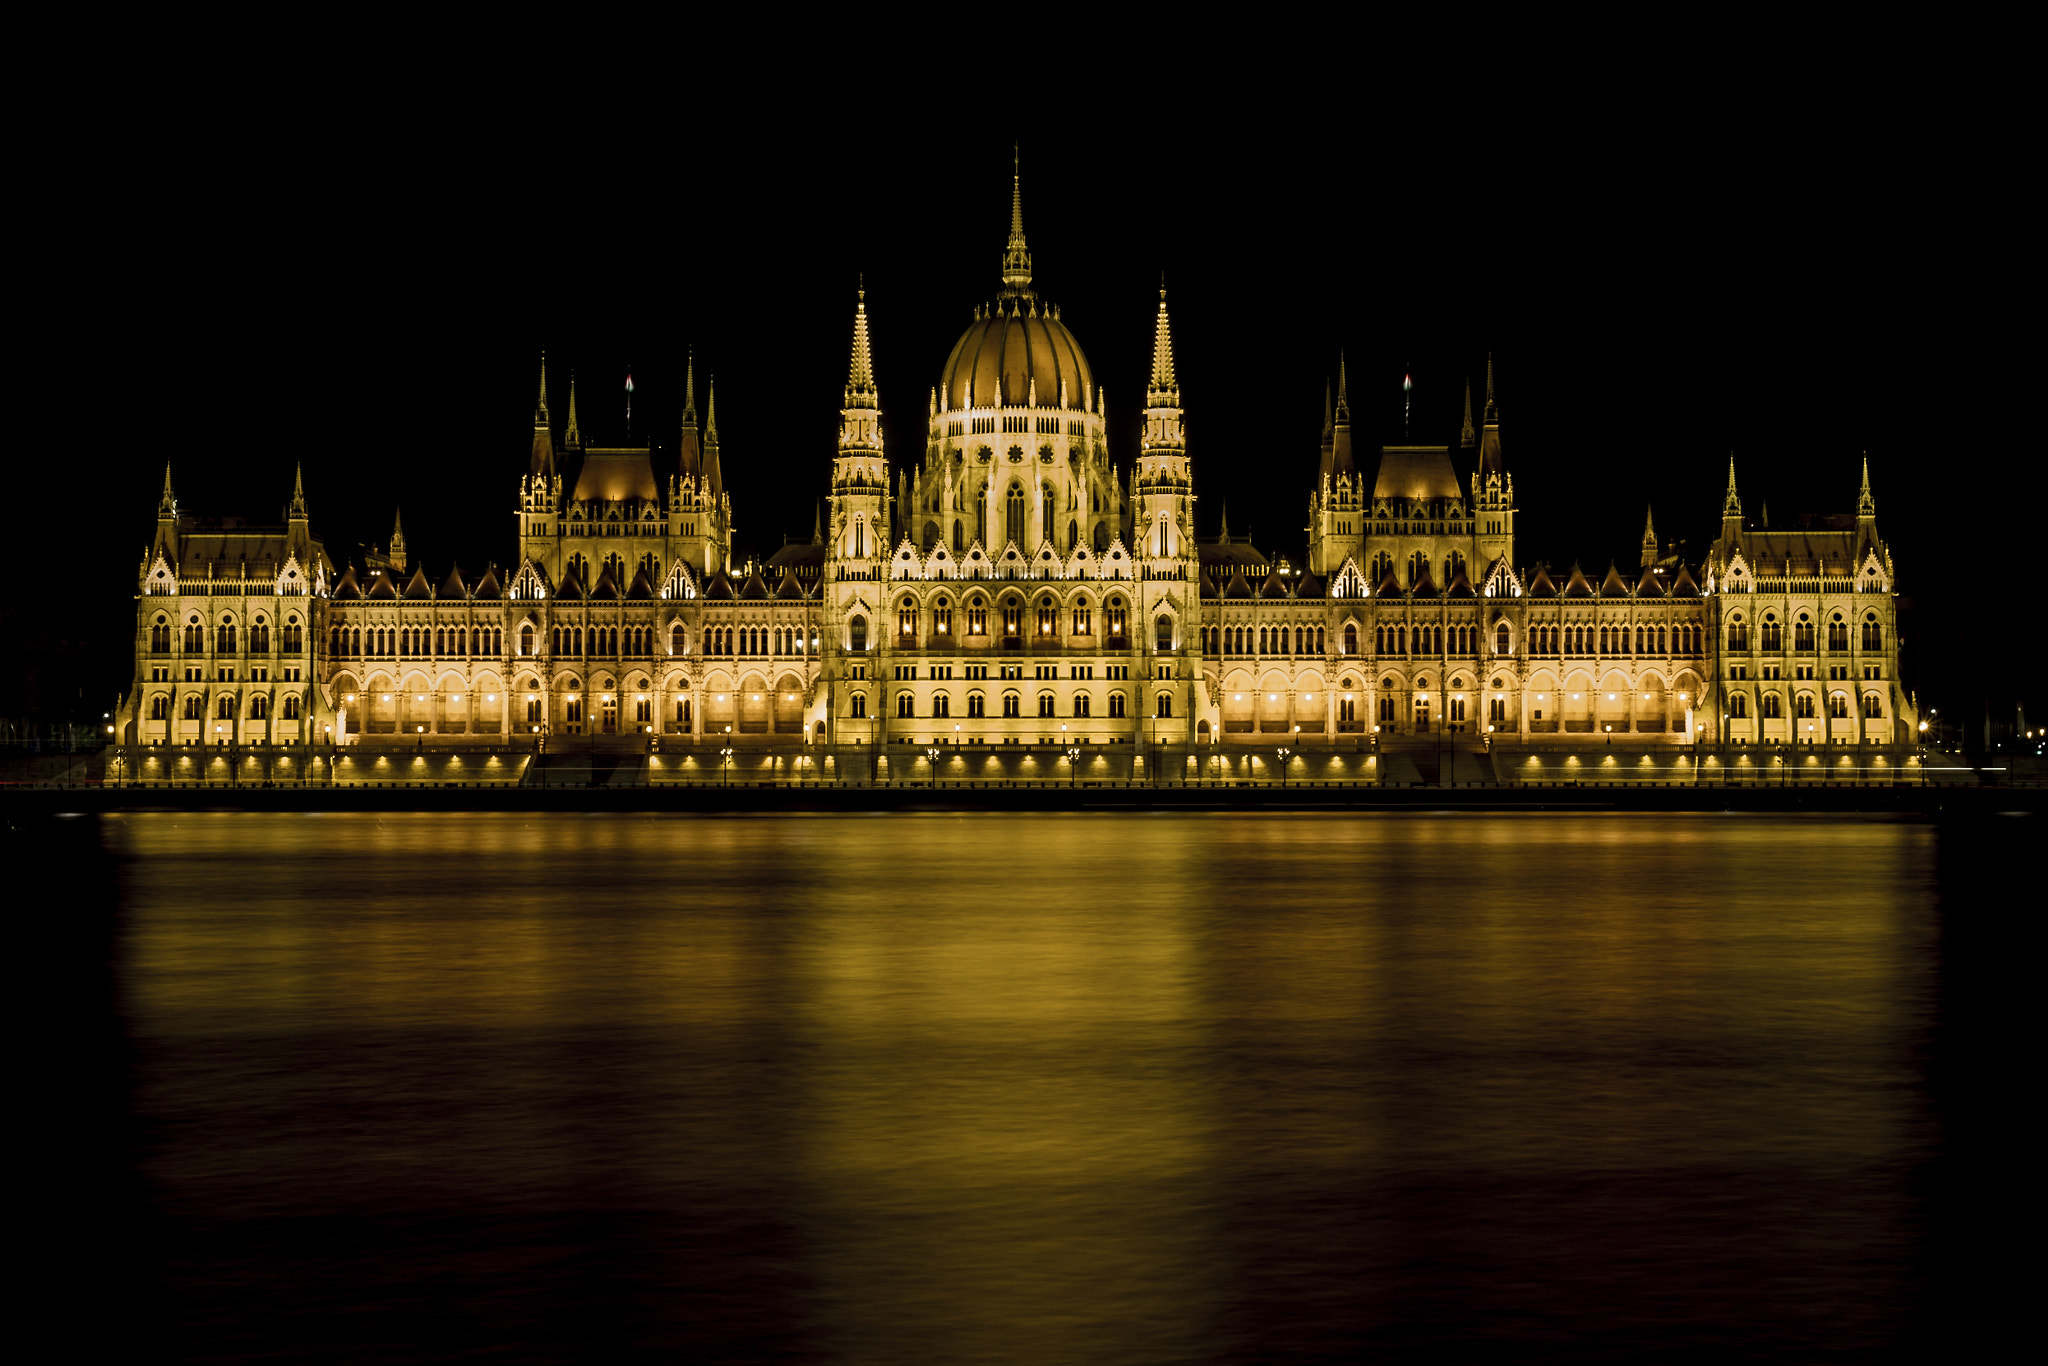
(1493, 488)
(397, 542)
(860, 527)
(1649, 541)
(1165, 491)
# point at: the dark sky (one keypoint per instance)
(1658, 287)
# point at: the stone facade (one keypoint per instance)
(1009, 590)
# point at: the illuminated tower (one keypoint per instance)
(1163, 525)
(1493, 488)
(1337, 506)
(697, 513)
(540, 490)
(860, 471)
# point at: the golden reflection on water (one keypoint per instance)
(1119, 1087)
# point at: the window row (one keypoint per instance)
(194, 707)
(1265, 640)
(194, 635)
(1012, 706)
(1771, 706)
(411, 642)
(1616, 640)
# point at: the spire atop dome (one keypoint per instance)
(1016, 257)
(1468, 436)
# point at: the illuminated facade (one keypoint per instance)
(1008, 586)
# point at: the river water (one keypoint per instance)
(1046, 1088)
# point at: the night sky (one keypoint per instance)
(1657, 289)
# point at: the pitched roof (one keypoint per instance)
(381, 587)
(1612, 586)
(571, 585)
(346, 589)
(790, 589)
(1576, 586)
(453, 586)
(1237, 587)
(1460, 587)
(1274, 586)
(1683, 585)
(1540, 585)
(719, 587)
(755, 589)
(1417, 473)
(640, 590)
(1649, 585)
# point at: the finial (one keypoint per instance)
(540, 410)
(1492, 413)
(860, 375)
(298, 505)
(711, 416)
(397, 530)
(1162, 357)
(1343, 418)
(1731, 506)
(1866, 502)
(1467, 437)
(168, 505)
(573, 439)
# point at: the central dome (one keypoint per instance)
(1005, 352)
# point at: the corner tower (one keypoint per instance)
(1493, 488)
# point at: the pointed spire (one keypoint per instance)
(1016, 258)
(298, 503)
(860, 375)
(1649, 540)
(1163, 391)
(1329, 414)
(690, 390)
(167, 506)
(714, 476)
(1731, 506)
(689, 449)
(540, 409)
(1468, 436)
(1341, 462)
(1492, 413)
(1866, 503)
(1224, 538)
(572, 439)
(818, 524)
(397, 540)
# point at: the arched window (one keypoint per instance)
(957, 546)
(975, 704)
(1773, 707)
(1164, 705)
(1116, 619)
(1014, 515)
(193, 706)
(1080, 704)
(860, 538)
(1838, 704)
(1873, 706)
(227, 635)
(1773, 637)
(977, 616)
(1116, 704)
(159, 707)
(1045, 704)
(1806, 706)
(1045, 502)
(906, 617)
(1802, 633)
(1873, 634)
(1321, 639)
(905, 705)
(160, 636)
(1164, 629)
(857, 633)
(1013, 617)
(225, 709)
(860, 705)
(1013, 705)
(291, 706)
(1500, 639)
(1738, 706)
(259, 708)
(1048, 617)
(942, 705)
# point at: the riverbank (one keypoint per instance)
(1900, 800)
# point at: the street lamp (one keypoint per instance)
(1283, 752)
(931, 760)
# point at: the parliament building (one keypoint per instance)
(1009, 598)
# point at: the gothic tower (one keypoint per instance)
(1493, 488)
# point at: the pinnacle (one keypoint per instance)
(540, 411)
(1162, 347)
